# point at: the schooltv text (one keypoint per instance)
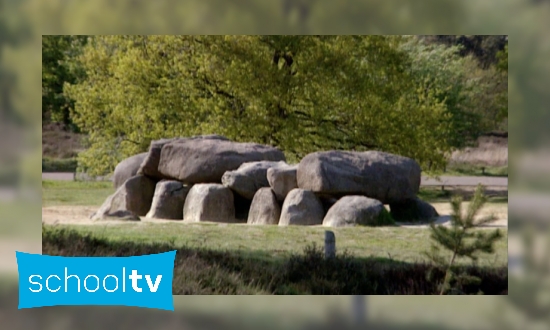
(139, 281)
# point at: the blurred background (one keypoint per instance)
(526, 22)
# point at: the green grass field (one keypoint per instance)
(436, 195)
(206, 270)
(75, 193)
(473, 170)
(400, 244)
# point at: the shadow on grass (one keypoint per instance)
(203, 271)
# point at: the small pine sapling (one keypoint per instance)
(461, 241)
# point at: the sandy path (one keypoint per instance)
(487, 181)
(79, 215)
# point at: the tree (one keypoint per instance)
(299, 93)
(484, 48)
(460, 241)
(485, 58)
(57, 53)
(443, 70)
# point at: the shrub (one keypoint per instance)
(461, 242)
(59, 165)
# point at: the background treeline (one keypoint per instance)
(419, 96)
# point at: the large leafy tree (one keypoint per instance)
(300, 93)
(485, 67)
(57, 68)
(444, 71)
(484, 48)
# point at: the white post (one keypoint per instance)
(330, 244)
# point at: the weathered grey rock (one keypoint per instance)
(168, 200)
(379, 175)
(134, 196)
(414, 210)
(301, 207)
(282, 179)
(206, 160)
(265, 209)
(127, 169)
(352, 211)
(209, 202)
(150, 163)
(249, 177)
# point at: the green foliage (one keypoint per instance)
(299, 93)
(484, 48)
(466, 169)
(59, 165)
(57, 68)
(384, 219)
(502, 56)
(486, 70)
(467, 90)
(461, 241)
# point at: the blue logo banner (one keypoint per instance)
(139, 281)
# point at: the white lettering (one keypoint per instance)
(68, 277)
(36, 283)
(105, 287)
(85, 287)
(48, 287)
(157, 282)
(135, 277)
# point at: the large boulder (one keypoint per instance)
(379, 175)
(414, 210)
(352, 211)
(282, 180)
(168, 200)
(133, 197)
(209, 202)
(206, 160)
(301, 207)
(150, 163)
(265, 209)
(249, 177)
(127, 169)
